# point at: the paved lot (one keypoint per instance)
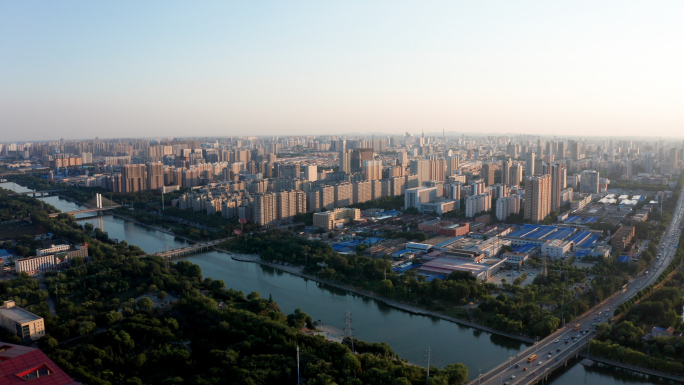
(504, 274)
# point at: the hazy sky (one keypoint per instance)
(80, 69)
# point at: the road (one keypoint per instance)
(554, 348)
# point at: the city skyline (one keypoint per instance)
(386, 192)
(80, 70)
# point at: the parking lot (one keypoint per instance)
(504, 274)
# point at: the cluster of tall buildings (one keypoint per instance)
(249, 176)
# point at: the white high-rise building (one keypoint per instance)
(311, 172)
(506, 206)
(476, 204)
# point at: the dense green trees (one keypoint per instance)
(521, 314)
(211, 335)
(244, 340)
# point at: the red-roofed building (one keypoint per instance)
(22, 365)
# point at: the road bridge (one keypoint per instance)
(97, 204)
(74, 212)
(196, 247)
(42, 193)
(549, 357)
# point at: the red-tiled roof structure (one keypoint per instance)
(25, 365)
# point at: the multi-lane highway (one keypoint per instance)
(544, 356)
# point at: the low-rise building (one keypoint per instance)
(42, 263)
(334, 218)
(434, 225)
(601, 251)
(21, 322)
(26, 365)
(513, 258)
(455, 230)
(556, 248)
(661, 332)
(580, 202)
(469, 255)
(439, 206)
(34, 265)
(53, 249)
(623, 237)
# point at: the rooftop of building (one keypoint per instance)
(20, 364)
(447, 265)
(17, 314)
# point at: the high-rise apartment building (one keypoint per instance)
(265, 209)
(649, 162)
(476, 204)
(343, 194)
(506, 171)
(575, 148)
(327, 194)
(311, 172)
(530, 163)
(362, 192)
(437, 169)
(358, 156)
(372, 169)
(589, 182)
(487, 173)
(132, 178)
(345, 161)
(291, 171)
(413, 197)
(561, 150)
(537, 197)
(505, 206)
(516, 174)
(313, 200)
(402, 159)
(557, 172)
(451, 165)
(155, 176)
(290, 203)
(512, 150)
(421, 168)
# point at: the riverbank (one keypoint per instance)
(160, 229)
(633, 368)
(298, 271)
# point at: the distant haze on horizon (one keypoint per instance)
(77, 69)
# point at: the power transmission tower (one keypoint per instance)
(348, 329)
(298, 379)
(563, 300)
(427, 376)
(544, 269)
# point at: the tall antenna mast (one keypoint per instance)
(348, 329)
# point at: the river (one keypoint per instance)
(409, 335)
